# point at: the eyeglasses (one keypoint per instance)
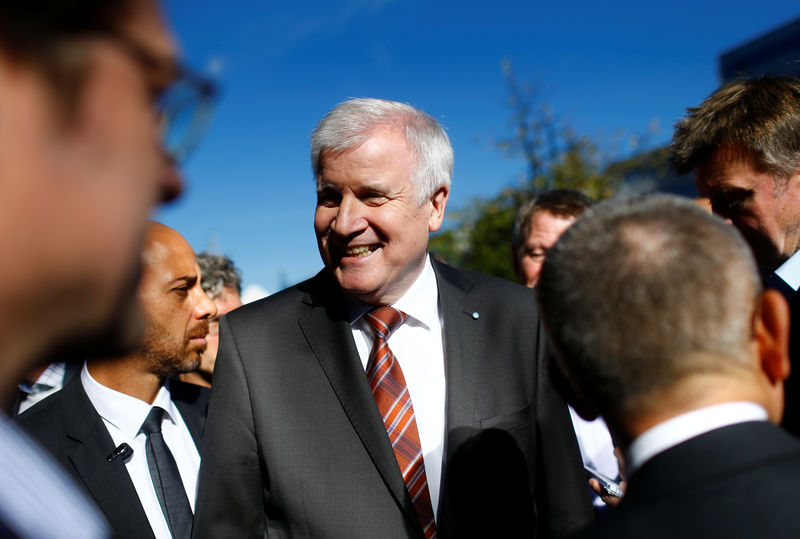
(184, 99)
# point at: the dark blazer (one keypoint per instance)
(737, 481)
(791, 415)
(296, 447)
(67, 425)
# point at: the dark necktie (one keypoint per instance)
(166, 478)
(394, 403)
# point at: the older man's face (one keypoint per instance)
(371, 232)
(545, 229)
(766, 211)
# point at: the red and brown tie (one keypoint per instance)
(394, 403)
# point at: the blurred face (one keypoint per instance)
(371, 232)
(77, 190)
(545, 229)
(766, 212)
(226, 301)
(177, 311)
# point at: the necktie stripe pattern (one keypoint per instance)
(394, 403)
(166, 477)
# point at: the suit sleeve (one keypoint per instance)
(231, 490)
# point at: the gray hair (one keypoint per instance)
(761, 115)
(352, 122)
(218, 272)
(640, 293)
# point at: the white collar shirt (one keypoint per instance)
(418, 345)
(789, 271)
(680, 428)
(123, 416)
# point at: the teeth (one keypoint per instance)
(358, 251)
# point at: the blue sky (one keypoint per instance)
(608, 68)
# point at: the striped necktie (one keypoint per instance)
(394, 403)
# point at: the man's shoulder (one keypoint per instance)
(472, 282)
(48, 420)
(287, 301)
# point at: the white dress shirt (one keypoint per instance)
(123, 416)
(418, 346)
(680, 428)
(49, 382)
(597, 448)
(789, 271)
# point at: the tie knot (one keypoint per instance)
(384, 320)
(152, 423)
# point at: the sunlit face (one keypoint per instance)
(371, 232)
(545, 229)
(177, 311)
(227, 300)
(77, 190)
(766, 211)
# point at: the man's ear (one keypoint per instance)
(771, 328)
(438, 203)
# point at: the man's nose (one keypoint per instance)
(350, 218)
(205, 307)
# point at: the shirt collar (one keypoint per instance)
(680, 428)
(420, 302)
(789, 271)
(123, 411)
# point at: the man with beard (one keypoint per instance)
(123, 428)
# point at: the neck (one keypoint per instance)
(698, 392)
(126, 375)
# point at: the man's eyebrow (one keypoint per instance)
(189, 280)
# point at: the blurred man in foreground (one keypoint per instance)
(743, 144)
(81, 167)
(222, 281)
(660, 325)
(123, 401)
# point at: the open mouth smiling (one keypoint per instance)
(360, 251)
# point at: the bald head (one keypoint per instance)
(176, 308)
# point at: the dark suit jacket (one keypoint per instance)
(67, 425)
(737, 481)
(791, 415)
(296, 447)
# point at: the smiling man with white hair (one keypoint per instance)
(390, 395)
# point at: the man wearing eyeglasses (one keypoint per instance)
(82, 165)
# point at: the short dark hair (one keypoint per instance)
(218, 272)
(559, 202)
(47, 35)
(760, 115)
(640, 293)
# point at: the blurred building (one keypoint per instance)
(775, 53)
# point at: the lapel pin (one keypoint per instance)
(475, 315)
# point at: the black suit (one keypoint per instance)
(738, 481)
(69, 427)
(296, 446)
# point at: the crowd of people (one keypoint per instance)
(637, 381)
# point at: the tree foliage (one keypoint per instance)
(478, 237)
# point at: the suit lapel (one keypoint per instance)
(108, 482)
(463, 347)
(328, 333)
